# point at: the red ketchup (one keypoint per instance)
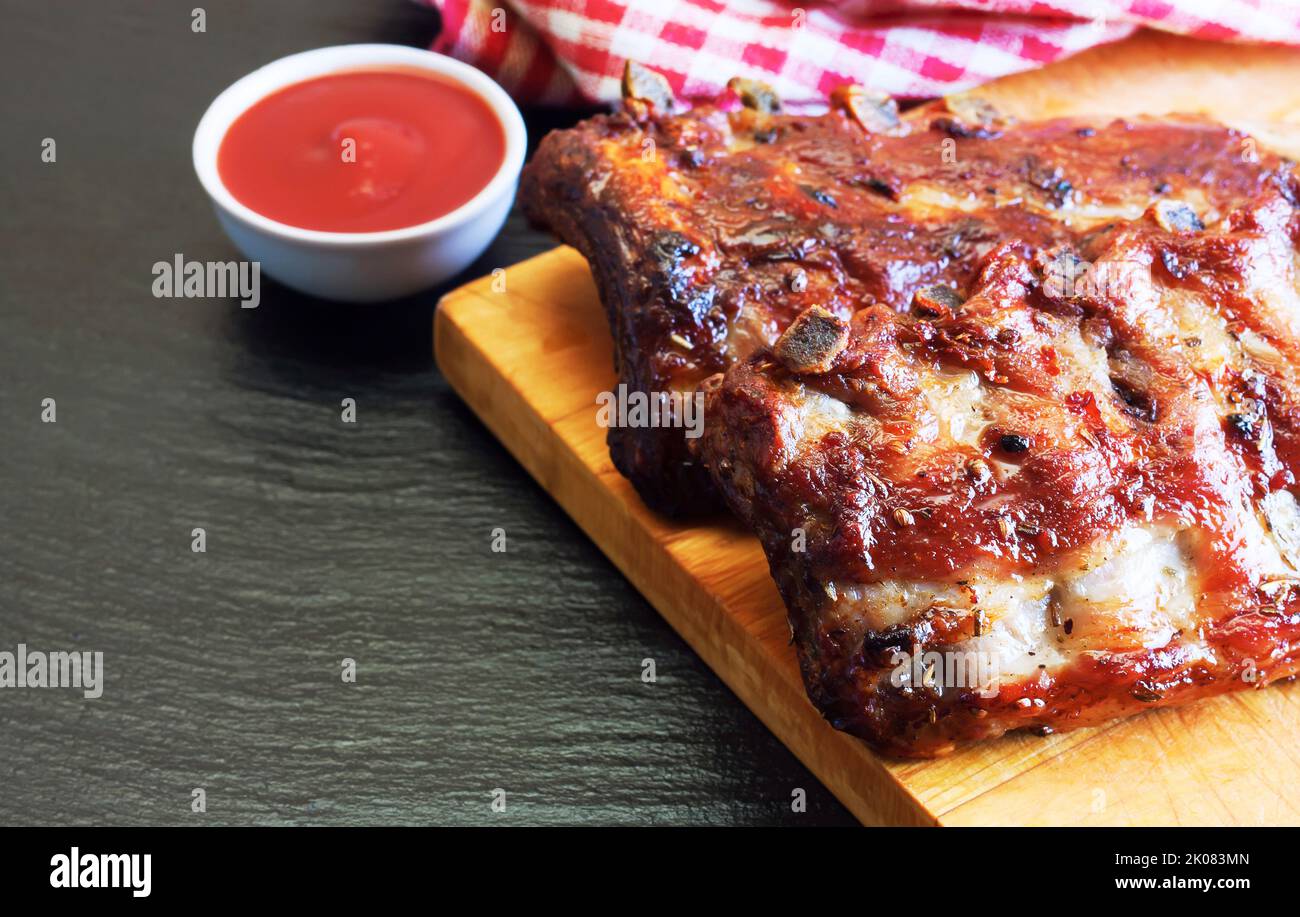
(362, 151)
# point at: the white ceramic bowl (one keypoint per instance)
(360, 266)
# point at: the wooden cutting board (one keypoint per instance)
(529, 350)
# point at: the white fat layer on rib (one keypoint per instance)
(806, 417)
(1283, 515)
(1270, 276)
(960, 406)
(1200, 330)
(1022, 641)
(932, 201)
(892, 602)
(752, 330)
(1084, 366)
(955, 409)
(1135, 590)
(1141, 594)
(819, 414)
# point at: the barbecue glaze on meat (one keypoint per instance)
(709, 230)
(1081, 483)
(1014, 409)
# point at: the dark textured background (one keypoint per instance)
(476, 670)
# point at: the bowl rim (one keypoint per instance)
(251, 88)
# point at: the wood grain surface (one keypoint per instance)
(476, 670)
(531, 355)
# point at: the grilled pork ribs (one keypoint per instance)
(708, 231)
(1014, 409)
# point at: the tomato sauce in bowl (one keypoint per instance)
(362, 151)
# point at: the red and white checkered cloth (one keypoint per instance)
(570, 51)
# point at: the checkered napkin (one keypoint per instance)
(572, 51)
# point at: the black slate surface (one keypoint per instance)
(476, 670)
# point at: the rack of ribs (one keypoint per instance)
(708, 230)
(1014, 409)
(1061, 496)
